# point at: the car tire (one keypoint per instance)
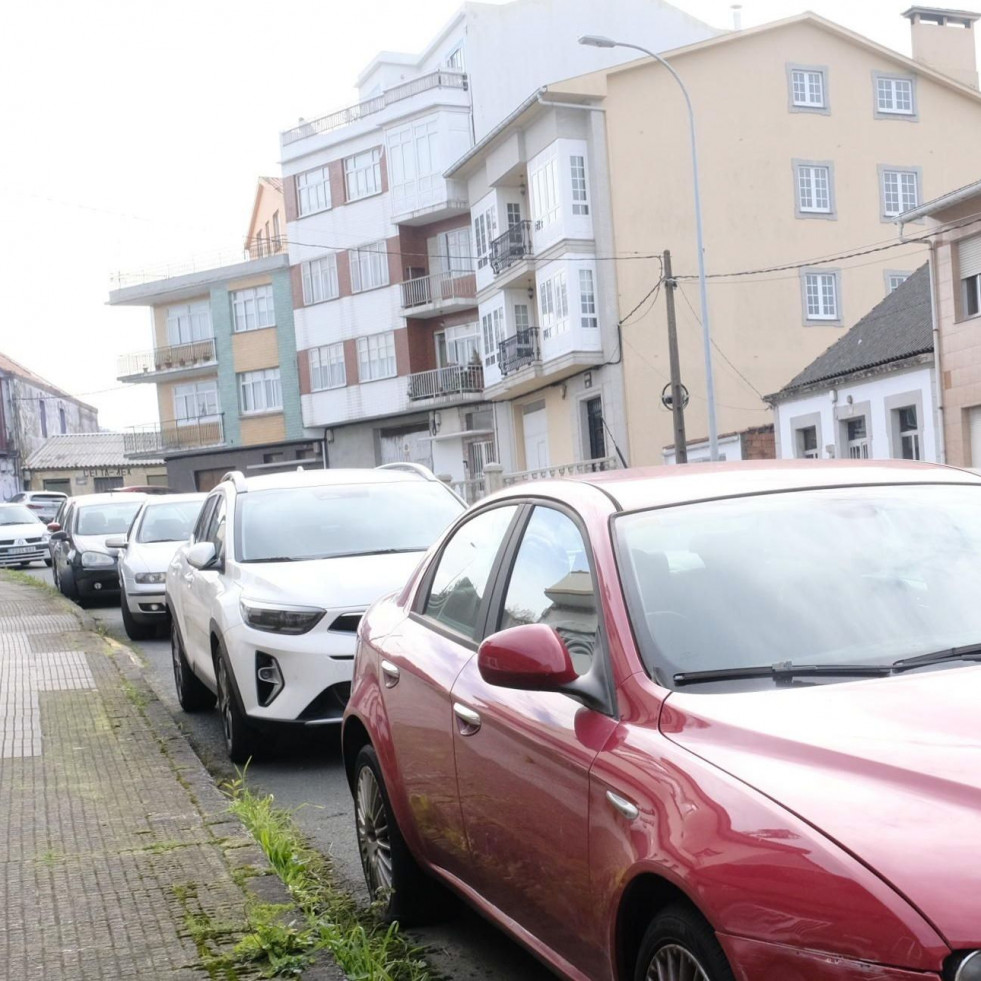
(192, 693)
(398, 887)
(134, 630)
(48, 563)
(680, 943)
(66, 584)
(240, 738)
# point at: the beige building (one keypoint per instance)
(811, 139)
(954, 228)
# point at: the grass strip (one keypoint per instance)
(366, 948)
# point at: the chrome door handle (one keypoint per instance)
(469, 718)
(391, 673)
(628, 810)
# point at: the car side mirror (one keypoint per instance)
(202, 555)
(54, 526)
(117, 541)
(58, 536)
(531, 657)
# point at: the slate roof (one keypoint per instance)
(78, 450)
(8, 365)
(899, 327)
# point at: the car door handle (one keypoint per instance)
(188, 577)
(392, 674)
(624, 806)
(468, 717)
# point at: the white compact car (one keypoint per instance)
(23, 536)
(160, 527)
(266, 598)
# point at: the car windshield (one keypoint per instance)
(295, 523)
(854, 576)
(106, 519)
(170, 522)
(17, 514)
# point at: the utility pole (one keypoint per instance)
(677, 403)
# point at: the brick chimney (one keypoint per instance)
(945, 41)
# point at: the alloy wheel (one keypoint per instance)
(672, 962)
(225, 707)
(175, 654)
(374, 839)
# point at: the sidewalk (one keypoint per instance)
(118, 858)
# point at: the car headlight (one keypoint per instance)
(148, 577)
(97, 560)
(280, 618)
(964, 966)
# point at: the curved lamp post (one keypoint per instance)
(597, 41)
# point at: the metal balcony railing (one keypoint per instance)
(511, 247)
(442, 78)
(451, 380)
(562, 470)
(439, 288)
(171, 358)
(522, 348)
(259, 248)
(174, 435)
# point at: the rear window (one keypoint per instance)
(106, 519)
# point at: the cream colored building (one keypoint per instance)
(811, 140)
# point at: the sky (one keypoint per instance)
(135, 131)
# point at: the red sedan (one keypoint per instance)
(695, 723)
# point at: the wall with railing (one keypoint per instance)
(494, 478)
(173, 357)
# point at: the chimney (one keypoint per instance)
(944, 40)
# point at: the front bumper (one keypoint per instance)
(147, 602)
(15, 554)
(96, 582)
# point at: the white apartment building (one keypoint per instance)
(399, 316)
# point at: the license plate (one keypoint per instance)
(21, 551)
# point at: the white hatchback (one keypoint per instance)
(266, 598)
(23, 536)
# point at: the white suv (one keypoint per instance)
(266, 598)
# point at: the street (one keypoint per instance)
(307, 778)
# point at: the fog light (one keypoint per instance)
(97, 585)
(268, 678)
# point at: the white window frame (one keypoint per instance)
(814, 182)
(818, 285)
(458, 344)
(253, 309)
(454, 60)
(578, 184)
(413, 153)
(802, 451)
(260, 391)
(194, 401)
(895, 279)
(895, 96)
(188, 323)
(587, 300)
(376, 357)
(484, 232)
(319, 277)
(327, 368)
(902, 184)
(553, 305)
(492, 333)
(858, 447)
(369, 267)
(362, 174)
(914, 435)
(313, 192)
(801, 79)
(545, 201)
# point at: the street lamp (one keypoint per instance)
(597, 41)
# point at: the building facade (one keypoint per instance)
(31, 411)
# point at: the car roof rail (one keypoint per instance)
(237, 479)
(417, 468)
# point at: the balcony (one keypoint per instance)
(259, 248)
(511, 247)
(522, 348)
(453, 383)
(343, 117)
(174, 436)
(440, 293)
(176, 359)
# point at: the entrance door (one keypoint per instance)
(596, 441)
(535, 424)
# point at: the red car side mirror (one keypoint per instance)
(531, 657)
(54, 526)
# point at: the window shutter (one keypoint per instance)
(969, 256)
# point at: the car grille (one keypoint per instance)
(347, 623)
(29, 541)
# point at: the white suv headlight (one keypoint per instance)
(97, 560)
(280, 618)
(148, 577)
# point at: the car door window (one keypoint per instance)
(216, 529)
(201, 525)
(459, 583)
(550, 583)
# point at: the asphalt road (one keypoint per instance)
(306, 776)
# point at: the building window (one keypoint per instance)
(413, 156)
(312, 191)
(369, 267)
(276, 232)
(895, 280)
(42, 411)
(253, 308)
(454, 60)
(276, 457)
(327, 367)
(514, 215)
(484, 232)
(105, 484)
(857, 438)
(595, 435)
(969, 270)
(587, 299)
(362, 174)
(459, 345)
(899, 191)
(376, 357)
(972, 295)
(492, 328)
(553, 301)
(189, 322)
(894, 96)
(62, 420)
(195, 400)
(580, 201)
(319, 279)
(807, 88)
(260, 391)
(909, 432)
(450, 252)
(544, 195)
(814, 189)
(806, 443)
(821, 296)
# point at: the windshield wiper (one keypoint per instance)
(969, 652)
(273, 558)
(784, 671)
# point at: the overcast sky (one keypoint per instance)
(135, 130)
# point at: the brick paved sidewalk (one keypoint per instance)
(114, 841)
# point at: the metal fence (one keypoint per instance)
(170, 358)
(174, 435)
(439, 288)
(451, 380)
